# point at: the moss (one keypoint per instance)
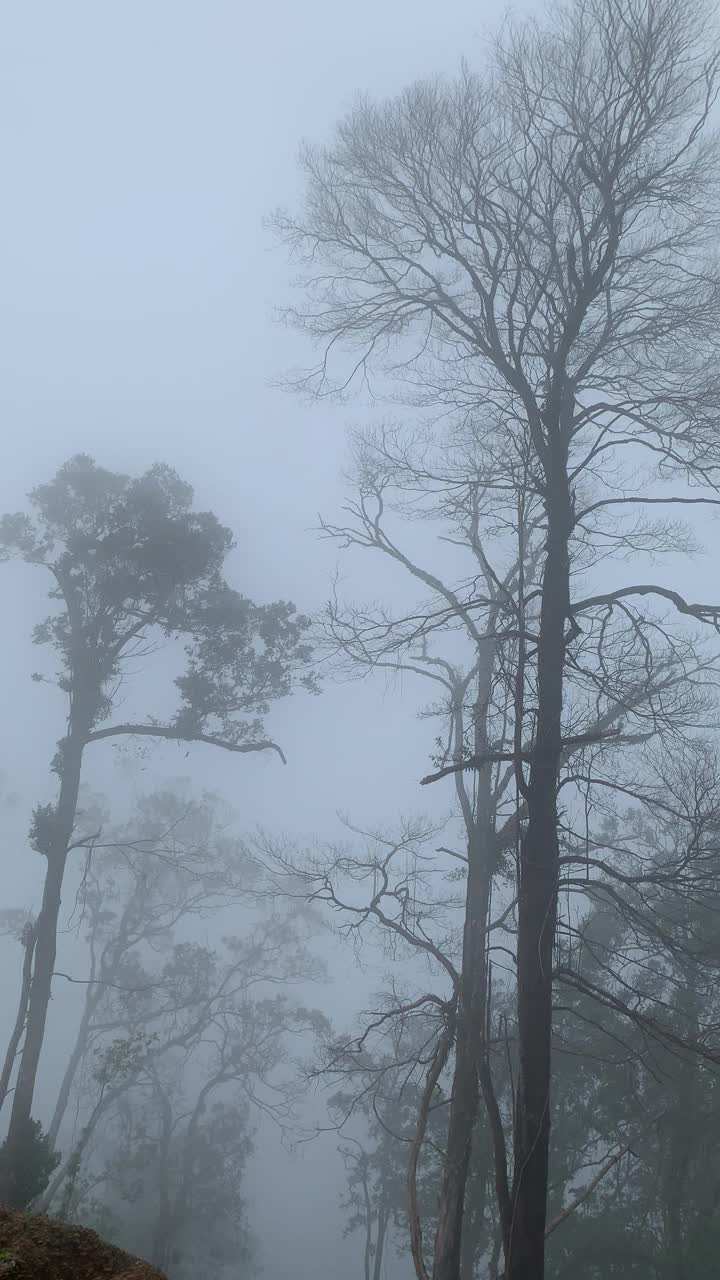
(38, 1248)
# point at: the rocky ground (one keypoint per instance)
(37, 1248)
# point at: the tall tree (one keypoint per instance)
(132, 564)
(635, 977)
(467, 650)
(534, 247)
(404, 476)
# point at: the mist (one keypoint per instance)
(359, 781)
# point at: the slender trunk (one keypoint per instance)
(494, 1261)
(70, 1168)
(476, 1233)
(162, 1231)
(28, 942)
(471, 1070)
(435, 1070)
(537, 897)
(471, 1238)
(463, 1113)
(367, 1254)
(684, 1126)
(471, 1074)
(380, 1244)
(110, 959)
(45, 951)
(465, 1091)
(177, 1217)
(41, 1204)
(76, 1057)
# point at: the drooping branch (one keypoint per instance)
(641, 500)
(179, 735)
(572, 743)
(707, 613)
(473, 762)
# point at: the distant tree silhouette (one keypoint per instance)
(133, 566)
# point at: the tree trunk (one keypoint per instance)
(177, 1217)
(471, 1070)
(537, 895)
(380, 1244)
(463, 1113)
(367, 1253)
(162, 1231)
(478, 1232)
(28, 942)
(74, 1061)
(110, 959)
(468, 1044)
(71, 1165)
(684, 1125)
(45, 951)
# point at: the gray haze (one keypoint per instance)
(143, 143)
(142, 146)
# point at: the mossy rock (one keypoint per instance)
(38, 1248)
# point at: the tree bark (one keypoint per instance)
(469, 1043)
(28, 943)
(471, 1070)
(537, 897)
(162, 1231)
(367, 1252)
(380, 1244)
(45, 950)
(463, 1113)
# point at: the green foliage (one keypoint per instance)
(129, 558)
(123, 1057)
(15, 922)
(207, 1231)
(42, 829)
(32, 1164)
(241, 658)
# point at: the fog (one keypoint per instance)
(146, 148)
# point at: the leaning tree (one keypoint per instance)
(132, 566)
(532, 249)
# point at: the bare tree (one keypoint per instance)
(533, 248)
(635, 965)
(399, 476)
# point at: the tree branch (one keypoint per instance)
(708, 613)
(177, 735)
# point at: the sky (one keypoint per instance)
(143, 143)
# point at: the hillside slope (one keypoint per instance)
(37, 1248)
